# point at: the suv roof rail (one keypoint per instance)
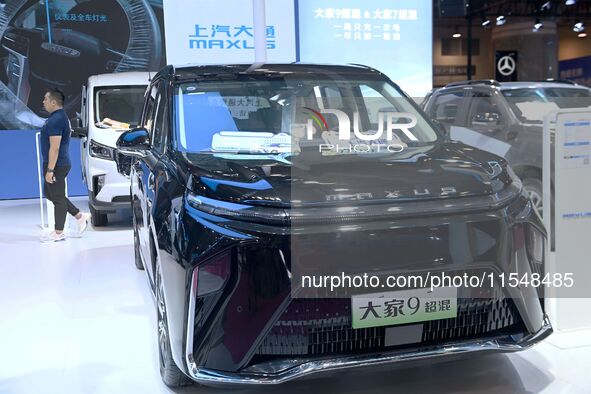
(565, 81)
(491, 82)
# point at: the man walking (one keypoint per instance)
(55, 144)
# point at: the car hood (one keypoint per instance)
(441, 171)
(106, 137)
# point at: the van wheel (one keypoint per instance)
(171, 375)
(97, 219)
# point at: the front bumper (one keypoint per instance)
(501, 344)
(118, 202)
(115, 193)
(231, 333)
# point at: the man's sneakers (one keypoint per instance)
(82, 223)
(53, 237)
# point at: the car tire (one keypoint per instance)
(97, 219)
(171, 375)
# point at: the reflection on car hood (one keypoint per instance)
(106, 137)
(441, 171)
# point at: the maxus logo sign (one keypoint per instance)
(228, 37)
(384, 139)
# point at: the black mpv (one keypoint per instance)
(255, 187)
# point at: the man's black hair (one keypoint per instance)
(57, 95)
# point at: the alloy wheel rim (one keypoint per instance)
(536, 199)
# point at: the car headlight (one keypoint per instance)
(101, 151)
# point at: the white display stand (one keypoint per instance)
(50, 217)
(571, 131)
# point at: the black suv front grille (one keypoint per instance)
(318, 327)
(123, 163)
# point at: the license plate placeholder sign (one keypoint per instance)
(404, 306)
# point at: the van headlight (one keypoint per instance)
(101, 151)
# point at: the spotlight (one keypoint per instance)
(546, 6)
(538, 24)
(570, 2)
(578, 27)
(501, 20)
(582, 35)
(485, 22)
(457, 33)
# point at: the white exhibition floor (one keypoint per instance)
(77, 317)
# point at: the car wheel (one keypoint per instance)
(171, 375)
(97, 219)
(533, 187)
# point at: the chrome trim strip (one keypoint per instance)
(191, 367)
(226, 378)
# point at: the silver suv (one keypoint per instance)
(505, 119)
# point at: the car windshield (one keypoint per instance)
(531, 105)
(119, 106)
(278, 114)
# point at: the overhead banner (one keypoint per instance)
(222, 31)
(394, 37)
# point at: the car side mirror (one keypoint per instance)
(78, 131)
(134, 143)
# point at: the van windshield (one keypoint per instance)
(281, 114)
(119, 107)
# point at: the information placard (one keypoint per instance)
(571, 192)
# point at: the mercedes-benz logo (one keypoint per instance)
(506, 65)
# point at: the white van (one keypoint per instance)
(111, 103)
